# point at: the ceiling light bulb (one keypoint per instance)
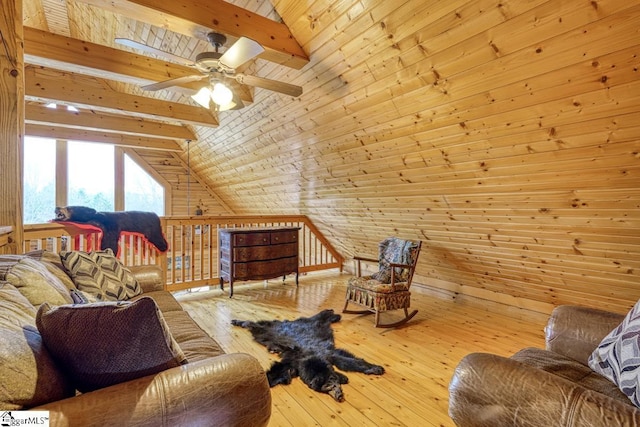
(235, 104)
(227, 106)
(203, 97)
(221, 94)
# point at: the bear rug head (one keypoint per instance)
(307, 350)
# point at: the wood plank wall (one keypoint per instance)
(11, 123)
(503, 134)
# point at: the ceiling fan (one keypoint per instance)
(217, 68)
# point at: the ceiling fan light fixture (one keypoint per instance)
(203, 96)
(221, 94)
(230, 106)
(235, 104)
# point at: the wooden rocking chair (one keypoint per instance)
(388, 289)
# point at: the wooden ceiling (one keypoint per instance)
(503, 134)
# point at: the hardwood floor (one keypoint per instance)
(419, 357)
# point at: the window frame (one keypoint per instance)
(62, 168)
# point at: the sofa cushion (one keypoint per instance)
(33, 280)
(618, 356)
(29, 375)
(100, 275)
(165, 301)
(52, 262)
(194, 342)
(105, 343)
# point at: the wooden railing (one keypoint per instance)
(192, 258)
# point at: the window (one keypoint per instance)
(90, 179)
(39, 180)
(91, 175)
(141, 191)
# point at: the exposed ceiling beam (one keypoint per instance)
(47, 85)
(96, 121)
(56, 132)
(195, 18)
(69, 54)
(82, 57)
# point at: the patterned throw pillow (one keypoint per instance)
(105, 343)
(618, 356)
(100, 276)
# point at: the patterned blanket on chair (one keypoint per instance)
(396, 251)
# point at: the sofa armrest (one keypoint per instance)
(490, 390)
(227, 390)
(576, 331)
(149, 277)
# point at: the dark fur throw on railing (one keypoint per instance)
(113, 223)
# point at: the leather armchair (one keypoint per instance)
(551, 387)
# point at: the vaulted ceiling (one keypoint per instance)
(503, 134)
(73, 59)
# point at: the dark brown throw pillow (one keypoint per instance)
(105, 343)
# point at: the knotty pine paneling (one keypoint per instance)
(502, 134)
(11, 123)
(505, 135)
(187, 192)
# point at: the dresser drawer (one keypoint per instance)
(265, 269)
(288, 236)
(251, 239)
(259, 253)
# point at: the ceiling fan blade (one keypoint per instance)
(174, 82)
(143, 47)
(242, 50)
(274, 85)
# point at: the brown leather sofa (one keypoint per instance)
(552, 387)
(212, 389)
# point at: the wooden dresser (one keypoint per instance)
(257, 253)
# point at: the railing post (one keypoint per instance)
(316, 252)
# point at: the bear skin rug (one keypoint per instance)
(307, 350)
(113, 223)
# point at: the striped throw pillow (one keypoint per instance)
(618, 356)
